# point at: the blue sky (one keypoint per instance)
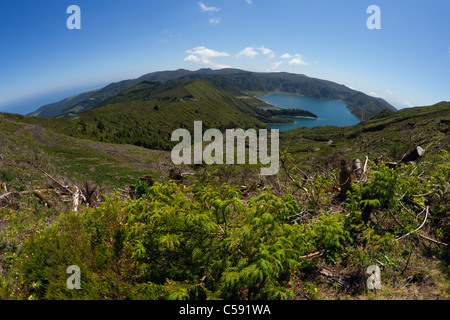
(407, 61)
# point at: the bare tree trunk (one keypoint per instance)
(76, 199)
(414, 155)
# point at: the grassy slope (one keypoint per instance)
(360, 104)
(25, 146)
(150, 120)
(390, 136)
(148, 113)
(74, 106)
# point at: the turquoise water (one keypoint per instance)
(330, 112)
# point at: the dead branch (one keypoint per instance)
(366, 164)
(160, 168)
(9, 197)
(6, 195)
(76, 199)
(432, 240)
(54, 180)
(419, 234)
(424, 221)
(312, 255)
(283, 164)
(424, 195)
(363, 177)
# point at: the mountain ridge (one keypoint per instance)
(147, 114)
(234, 81)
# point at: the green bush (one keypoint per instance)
(211, 242)
(171, 243)
(6, 176)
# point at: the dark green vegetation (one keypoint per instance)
(145, 111)
(147, 114)
(388, 134)
(225, 232)
(233, 81)
(27, 147)
(292, 113)
(75, 105)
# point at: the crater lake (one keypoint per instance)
(329, 112)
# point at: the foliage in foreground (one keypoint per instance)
(207, 242)
(173, 243)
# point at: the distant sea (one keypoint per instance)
(330, 112)
(30, 104)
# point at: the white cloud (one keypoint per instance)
(406, 103)
(211, 10)
(392, 98)
(275, 65)
(267, 52)
(252, 52)
(214, 21)
(298, 61)
(202, 55)
(168, 36)
(204, 8)
(249, 1)
(205, 52)
(248, 52)
(295, 60)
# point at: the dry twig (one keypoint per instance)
(424, 221)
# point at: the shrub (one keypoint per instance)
(171, 243)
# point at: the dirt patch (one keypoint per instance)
(3, 223)
(35, 131)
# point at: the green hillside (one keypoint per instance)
(360, 104)
(28, 147)
(388, 134)
(147, 114)
(234, 81)
(142, 117)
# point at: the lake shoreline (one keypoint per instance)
(329, 112)
(280, 108)
(347, 106)
(297, 117)
(274, 107)
(301, 117)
